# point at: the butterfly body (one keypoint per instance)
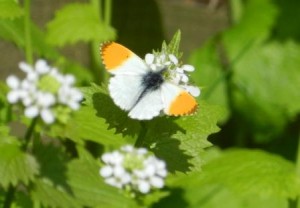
(137, 88)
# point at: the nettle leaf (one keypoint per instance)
(10, 9)
(235, 178)
(13, 31)
(115, 118)
(78, 22)
(53, 162)
(180, 141)
(15, 165)
(47, 194)
(100, 120)
(88, 186)
(267, 79)
(250, 172)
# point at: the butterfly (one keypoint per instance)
(137, 88)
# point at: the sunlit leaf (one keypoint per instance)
(78, 22)
(180, 141)
(15, 164)
(10, 9)
(89, 187)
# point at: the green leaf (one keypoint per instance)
(53, 162)
(88, 186)
(78, 22)
(99, 121)
(210, 76)
(250, 172)
(181, 141)
(267, 81)
(211, 196)
(15, 165)
(234, 179)
(13, 31)
(173, 46)
(10, 9)
(258, 18)
(47, 194)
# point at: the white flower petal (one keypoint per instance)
(113, 182)
(106, 171)
(119, 171)
(125, 178)
(31, 111)
(127, 148)
(140, 174)
(25, 67)
(150, 170)
(42, 67)
(188, 68)
(173, 59)
(74, 105)
(179, 70)
(143, 186)
(184, 78)
(69, 79)
(32, 76)
(157, 182)
(13, 96)
(47, 116)
(149, 58)
(141, 151)
(13, 82)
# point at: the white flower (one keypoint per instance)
(134, 168)
(42, 90)
(176, 73)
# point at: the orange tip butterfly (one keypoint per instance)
(142, 90)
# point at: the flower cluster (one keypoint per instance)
(43, 91)
(176, 73)
(134, 169)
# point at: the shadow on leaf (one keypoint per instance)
(175, 197)
(114, 116)
(161, 134)
(52, 164)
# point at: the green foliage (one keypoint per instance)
(181, 141)
(10, 9)
(15, 165)
(86, 188)
(83, 24)
(249, 78)
(237, 176)
(173, 46)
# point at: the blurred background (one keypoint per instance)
(246, 54)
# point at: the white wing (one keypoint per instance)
(148, 106)
(125, 90)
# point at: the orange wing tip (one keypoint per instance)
(184, 104)
(114, 55)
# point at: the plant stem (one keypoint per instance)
(28, 134)
(227, 68)
(236, 10)
(98, 72)
(9, 197)
(107, 12)
(143, 131)
(28, 45)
